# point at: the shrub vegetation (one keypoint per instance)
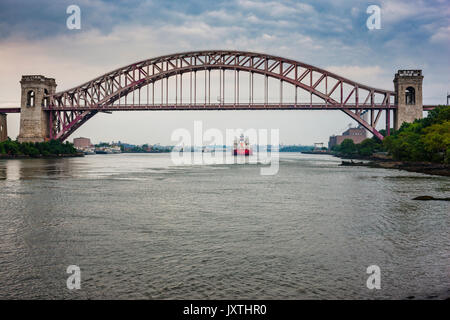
(426, 139)
(36, 149)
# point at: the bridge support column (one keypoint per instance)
(34, 121)
(408, 89)
(3, 127)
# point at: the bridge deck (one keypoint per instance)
(274, 106)
(9, 110)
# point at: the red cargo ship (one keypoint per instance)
(242, 147)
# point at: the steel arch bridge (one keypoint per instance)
(145, 86)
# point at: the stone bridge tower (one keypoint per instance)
(34, 121)
(408, 89)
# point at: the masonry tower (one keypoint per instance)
(408, 89)
(34, 121)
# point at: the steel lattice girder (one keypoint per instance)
(101, 93)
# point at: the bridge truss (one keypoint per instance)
(240, 81)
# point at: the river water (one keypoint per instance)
(141, 228)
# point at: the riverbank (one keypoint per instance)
(145, 151)
(13, 149)
(317, 152)
(40, 156)
(420, 167)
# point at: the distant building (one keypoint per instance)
(126, 146)
(355, 134)
(81, 143)
(147, 147)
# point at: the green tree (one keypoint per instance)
(348, 147)
(436, 141)
(11, 147)
(437, 115)
(28, 149)
(368, 147)
(424, 139)
(35, 149)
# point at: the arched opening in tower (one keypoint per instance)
(410, 95)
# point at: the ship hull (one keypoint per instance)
(242, 152)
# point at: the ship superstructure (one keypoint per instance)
(242, 147)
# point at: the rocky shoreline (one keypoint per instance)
(386, 162)
(421, 167)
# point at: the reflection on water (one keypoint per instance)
(140, 227)
(35, 168)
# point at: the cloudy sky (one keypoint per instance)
(330, 34)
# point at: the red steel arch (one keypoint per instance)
(71, 108)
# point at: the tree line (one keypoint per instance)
(36, 149)
(426, 139)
